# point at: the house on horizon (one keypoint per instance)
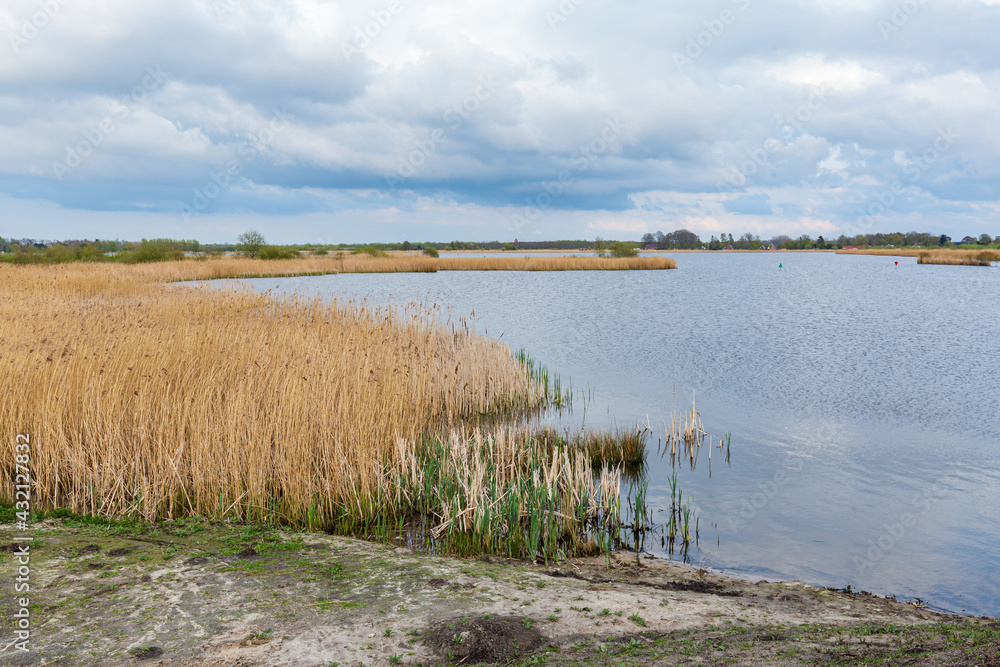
(728, 247)
(650, 246)
(966, 241)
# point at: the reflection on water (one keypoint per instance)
(863, 402)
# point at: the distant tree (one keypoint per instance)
(747, 242)
(508, 246)
(943, 239)
(277, 252)
(623, 249)
(681, 239)
(984, 239)
(250, 243)
(407, 245)
(648, 238)
(895, 239)
(431, 251)
(600, 247)
(921, 239)
(370, 250)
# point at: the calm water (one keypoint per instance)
(863, 401)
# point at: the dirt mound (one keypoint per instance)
(484, 640)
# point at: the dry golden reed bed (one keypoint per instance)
(153, 401)
(148, 401)
(935, 256)
(237, 267)
(961, 257)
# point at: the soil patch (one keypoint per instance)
(704, 587)
(147, 653)
(484, 640)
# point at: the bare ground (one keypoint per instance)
(196, 594)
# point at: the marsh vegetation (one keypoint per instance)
(155, 403)
(953, 256)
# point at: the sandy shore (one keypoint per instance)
(199, 594)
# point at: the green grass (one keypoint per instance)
(638, 620)
(963, 642)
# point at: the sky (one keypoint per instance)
(390, 120)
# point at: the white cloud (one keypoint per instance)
(685, 135)
(817, 71)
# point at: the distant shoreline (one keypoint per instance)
(588, 251)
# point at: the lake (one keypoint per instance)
(863, 399)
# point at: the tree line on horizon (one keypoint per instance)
(27, 250)
(683, 239)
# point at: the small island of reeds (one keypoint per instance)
(951, 256)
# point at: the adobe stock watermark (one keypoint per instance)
(581, 160)
(21, 546)
(767, 491)
(381, 19)
(33, 25)
(899, 17)
(788, 123)
(886, 199)
(893, 532)
(454, 117)
(713, 29)
(248, 151)
(121, 111)
(562, 12)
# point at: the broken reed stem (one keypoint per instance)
(683, 435)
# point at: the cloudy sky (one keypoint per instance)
(371, 120)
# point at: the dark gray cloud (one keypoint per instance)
(731, 114)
